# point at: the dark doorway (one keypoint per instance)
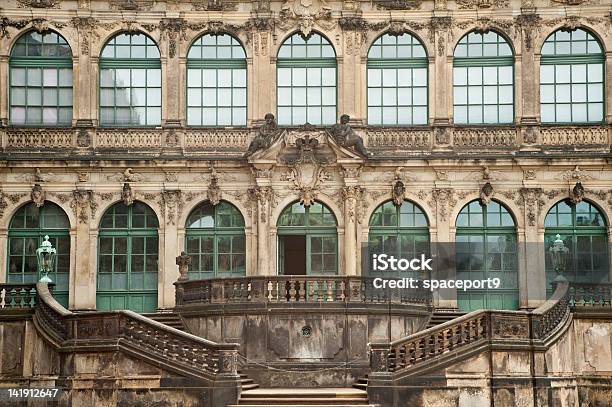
(293, 254)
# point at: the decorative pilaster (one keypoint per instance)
(173, 32)
(352, 195)
(441, 66)
(528, 25)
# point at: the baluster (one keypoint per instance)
(271, 291)
(15, 298)
(330, 290)
(27, 298)
(320, 291)
(3, 298)
(302, 291)
(311, 290)
(292, 290)
(340, 291)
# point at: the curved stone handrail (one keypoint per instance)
(304, 289)
(461, 337)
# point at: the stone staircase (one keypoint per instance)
(297, 397)
(440, 317)
(167, 318)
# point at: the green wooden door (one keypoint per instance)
(486, 247)
(128, 248)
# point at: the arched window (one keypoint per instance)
(130, 82)
(215, 241)
(571, 78)
(128, 249)
(582, 228)
(27, 230)
(41, 80)
(307, 240)
(397, 81)
(401, 231)
(216, 82)
(306, 78)
(483, 79)
(486, 248)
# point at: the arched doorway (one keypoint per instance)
(486, 247)
(128, 248)
(307, 240)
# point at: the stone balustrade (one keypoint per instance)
(194, 141)
(590, 296)
(293, 289)
(151, 341)
(473, 332)
(17, 296)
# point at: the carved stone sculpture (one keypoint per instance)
(183, 261)
(399, 192)
(577, 193)
(344, 135)
(127, 195)
(38, 195)
(266, 135)
(214, 191)
(486, 193)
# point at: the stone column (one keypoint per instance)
(263, 194)
(4, 108)
(440, 83)
(444, 199)
(351, 195)
(168, 241)
(85, 74)
(172, 70)
(261, 71)
(532, 275)
(527, 71)
(83, 292)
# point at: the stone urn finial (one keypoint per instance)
(183, 261)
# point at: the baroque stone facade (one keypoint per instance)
(86, 168)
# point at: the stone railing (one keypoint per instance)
(462, 337)
(293, 289)
(140, 336)
(17, 296)
(574, 136)
(234, 141)
(590, 296)
(546, 318)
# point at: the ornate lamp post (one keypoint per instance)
(46, 259)
(558, 253)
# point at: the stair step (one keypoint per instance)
(300, 400)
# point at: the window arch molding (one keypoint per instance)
(508, 204)
(478, 30)
(216, 81)
(40, 85)
(130, 81)
(539, 41)
(418, 36)
(215, 238)
(397, 81)
(483, 78)
(306, 80)
(281, 42)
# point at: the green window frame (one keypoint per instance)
(318, 224)
(397, 81)
(483, 80)
(128, 251)
(306, 77)
(27, 230)
(40, 91)
(215, 239)
(486, 247)
(216, 82)
(401, 231)
(572, 78)
(584, 232)
(130, 82)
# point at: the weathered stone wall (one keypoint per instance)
(575, 371)
(272, 336)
